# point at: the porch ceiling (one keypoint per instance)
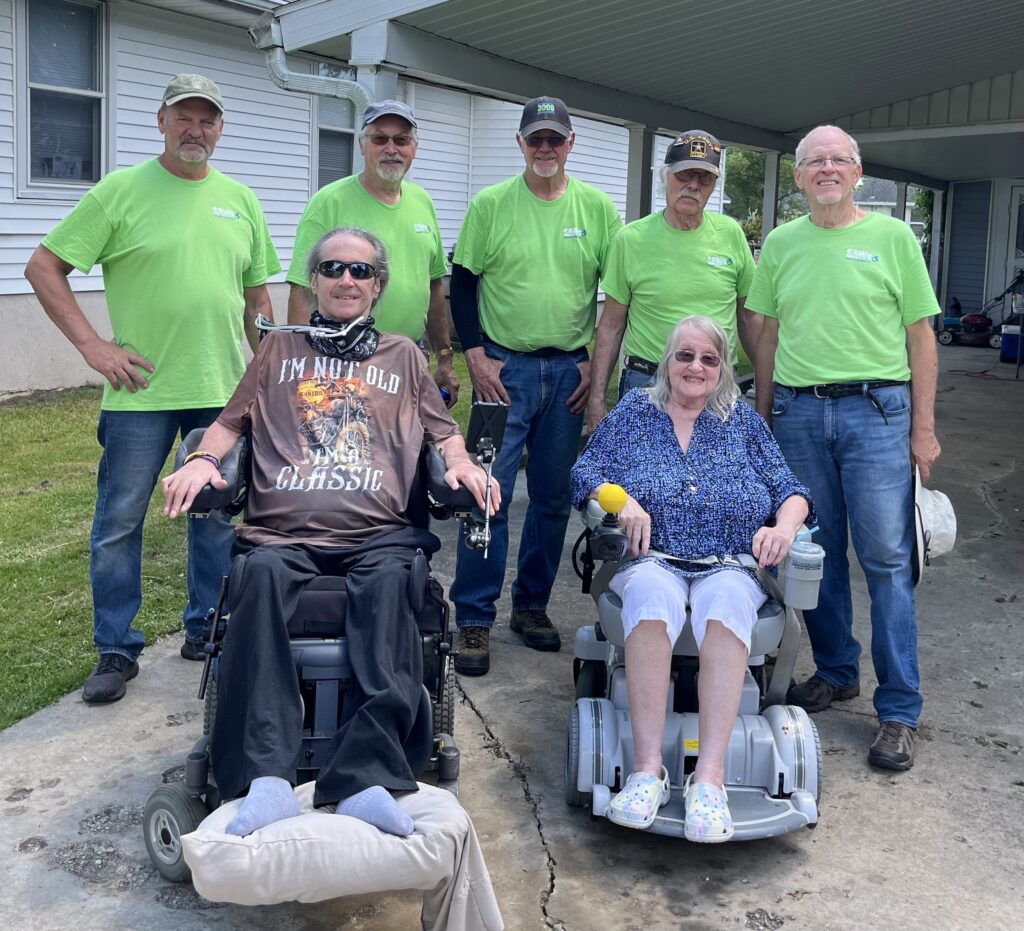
(772, 66)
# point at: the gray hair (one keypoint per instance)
(723, 398)
(661, 180)
(380, 257)
(802, 144)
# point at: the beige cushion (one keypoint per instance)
(319, 856)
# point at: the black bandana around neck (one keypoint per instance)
(359, 343)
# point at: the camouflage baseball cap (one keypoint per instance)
(183, 86)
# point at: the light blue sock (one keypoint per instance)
(270, 799)
(376, 806)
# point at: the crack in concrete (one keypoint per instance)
(521, 771)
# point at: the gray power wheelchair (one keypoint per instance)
(773, 766)
(319, 650)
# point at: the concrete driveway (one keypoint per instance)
(938, 847)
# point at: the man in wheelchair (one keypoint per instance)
(337, 416)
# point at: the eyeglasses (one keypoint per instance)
(707, 359)
(401, 140)
(360, 271)
(556, 142)
(838, 161)
(695, 174)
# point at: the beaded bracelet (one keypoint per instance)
(202, 454)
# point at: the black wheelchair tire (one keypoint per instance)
(170, 812)
(210, 706)
(444, 707)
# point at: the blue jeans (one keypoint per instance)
(540, 420)
(135, 447)
(854, 455)
(631, 378)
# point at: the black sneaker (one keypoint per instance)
(816, 694)
(474, 651)
(193, 649)
(536, 629)
(108, 681)
(893, 747)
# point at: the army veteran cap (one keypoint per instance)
(694, 149)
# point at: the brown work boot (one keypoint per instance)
(816, 694)
(536, 629)
(893, 747)
(473, 651)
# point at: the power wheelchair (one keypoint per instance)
(319, 650)
(773, 766)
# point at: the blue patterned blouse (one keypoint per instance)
(708, 501)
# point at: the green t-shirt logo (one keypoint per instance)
(422, 228)
(227, 214)
(573, 232)
(861, 255)
(720, 261)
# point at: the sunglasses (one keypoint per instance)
(360, 271)
(707, 359)
(556, 142)
(401, 140)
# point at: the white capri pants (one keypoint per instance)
(650, 592)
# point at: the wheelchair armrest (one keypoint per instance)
(233, 469)
(453, 500)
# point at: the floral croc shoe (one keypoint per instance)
(637, 804)
(708, 820)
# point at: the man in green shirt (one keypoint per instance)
(524, 300)
(402, 215)
(185, 253)
(670, 265)
(849, 345)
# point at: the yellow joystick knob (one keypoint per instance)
(612, 498)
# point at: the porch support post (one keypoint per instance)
(769, 205)
(638, 171)
(901, 201)
(938, 224)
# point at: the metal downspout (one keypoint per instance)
(265, 34)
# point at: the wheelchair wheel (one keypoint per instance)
(210, 706)
(573, 796)
(169, 813)
(444, 707)
(591, 680)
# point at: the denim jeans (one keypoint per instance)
(854, 455)
(540, 420)
(631, 378)
(135, 447)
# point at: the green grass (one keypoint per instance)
(47, 501)
(46, 508)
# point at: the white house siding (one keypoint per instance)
(265, 144)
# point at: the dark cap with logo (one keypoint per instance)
(183, 86)
(388, 108)
(545, 113)
(694, 149)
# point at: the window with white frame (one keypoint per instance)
(335, 119)
(64, 72)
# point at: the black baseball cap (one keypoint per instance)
(388, 108)
(545, 113)
(694, 149)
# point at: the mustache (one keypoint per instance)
(688, 193)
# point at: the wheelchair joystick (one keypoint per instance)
(608, 542)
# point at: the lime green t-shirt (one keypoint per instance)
(843, 298)
(663, 274)
(408, 230)
(539, 262)
(176, 256)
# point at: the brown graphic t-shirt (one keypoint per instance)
(335, 444)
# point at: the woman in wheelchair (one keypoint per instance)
(337, 417)
(703, 475)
